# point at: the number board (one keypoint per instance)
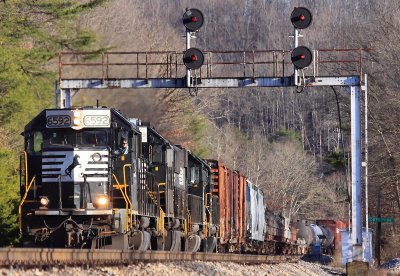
(96, 121)
(58, 121)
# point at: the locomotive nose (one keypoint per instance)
(75, 178)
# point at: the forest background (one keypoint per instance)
(295, 146)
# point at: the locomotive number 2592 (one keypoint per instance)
(58, 121)
(96, 120)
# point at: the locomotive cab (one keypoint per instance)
(73, 170)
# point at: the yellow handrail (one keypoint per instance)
(161, 184)
(207, 223)
(22, 202)
(188, 223)
(161, 226)
(206, 228)
(126, 192)
(126, 203)
(185, 226)
(26, 170)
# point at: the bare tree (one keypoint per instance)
(290, 180)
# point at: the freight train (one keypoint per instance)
(93, 178)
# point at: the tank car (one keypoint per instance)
(323, 236)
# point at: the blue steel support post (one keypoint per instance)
(356, 173)
(65, 98)
(188, 76)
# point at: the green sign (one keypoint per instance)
(385, 220)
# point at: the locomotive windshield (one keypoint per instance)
(57, 137)
(68, 137)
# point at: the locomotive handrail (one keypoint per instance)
(126, 193)
(207, 207)
(161, 226)
(26, 170)
(162, 213)
(22, 202)
(188, 223)
(126, 203)
(160, 184)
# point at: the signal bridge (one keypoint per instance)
(195, 69)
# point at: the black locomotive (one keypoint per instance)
(80, 190)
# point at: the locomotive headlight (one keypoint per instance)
(96, 157)
(77, 122)
(77, 114)
(44, 201)
(101, 201)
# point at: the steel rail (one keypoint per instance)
(52, 256)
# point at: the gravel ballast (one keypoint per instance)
(187, 268)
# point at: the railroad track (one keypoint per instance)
(51, 256)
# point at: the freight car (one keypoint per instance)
(321, 236)
(93, 178)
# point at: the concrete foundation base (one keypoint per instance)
(357, 268)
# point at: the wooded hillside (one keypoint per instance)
(31, 34)
(291, 144)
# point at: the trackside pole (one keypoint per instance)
(296, 44)
(357, 266)
(365, 89)
(356, 173)
(188, 47)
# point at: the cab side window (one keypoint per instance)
(194, 175)
(120, 134)
(35, 143)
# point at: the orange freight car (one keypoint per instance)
(229, 187)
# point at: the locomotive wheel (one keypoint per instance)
(193, 243)
(157, 243)
(140, 241)
(173, 241)
(210, 244)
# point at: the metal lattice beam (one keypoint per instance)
(66, 84)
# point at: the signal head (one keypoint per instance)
(301, 57)
(193, 19)
(193, 58)
(301, 18)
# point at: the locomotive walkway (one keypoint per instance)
(87, 257)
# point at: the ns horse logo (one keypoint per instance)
(75, 162)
